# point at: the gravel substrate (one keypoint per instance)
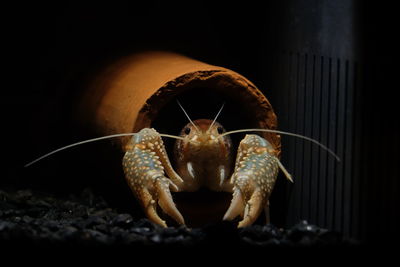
(29, 217)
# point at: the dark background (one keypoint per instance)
(50, 49)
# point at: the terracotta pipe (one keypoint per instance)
(140, 91)
(129, 94)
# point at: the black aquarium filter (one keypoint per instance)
(331, 79)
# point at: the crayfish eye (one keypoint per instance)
(220, 130)
(186, 130)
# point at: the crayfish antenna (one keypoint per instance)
(284, 133)
(216, 117)
(184, 111)
(90, 141)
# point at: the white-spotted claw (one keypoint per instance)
(254, 176)
(144, 163)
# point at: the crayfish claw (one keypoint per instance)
(255, 173)
(144, 172)
(253, 209)
(236, 208)
(166, 202)
(150, 207)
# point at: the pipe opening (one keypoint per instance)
(203, 103)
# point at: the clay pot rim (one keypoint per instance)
(221, 80)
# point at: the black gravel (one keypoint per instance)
(28, 217)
